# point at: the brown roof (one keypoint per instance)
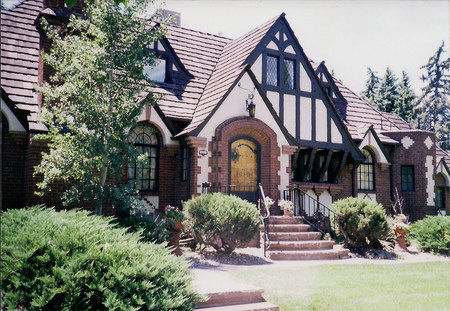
(20, 56)
(441, 154)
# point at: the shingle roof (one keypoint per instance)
(227, 69)
(20, 56)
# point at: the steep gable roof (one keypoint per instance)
(20, 57)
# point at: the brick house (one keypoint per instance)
(233, 113)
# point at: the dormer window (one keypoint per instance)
(157, 72)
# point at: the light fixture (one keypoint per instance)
(249, 105)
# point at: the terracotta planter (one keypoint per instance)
(401, 232)
(175, 238)
(286, 212)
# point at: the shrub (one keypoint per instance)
(74, 261)
(363, 221)
(151, 230)
(222, 221)
(432, 234)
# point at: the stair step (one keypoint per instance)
(285, 220)
(232, 298)
(294, 236)
(301, 245)
(309, 255)
(259, 306)
(288, 227)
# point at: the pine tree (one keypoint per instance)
(91, 100)
(372, 86)
(433, 108)
(406, 99)
(387, 95)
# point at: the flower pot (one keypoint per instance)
(287, 212)
(400, 231)
(175, 238)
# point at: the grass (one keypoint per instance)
(418, 286)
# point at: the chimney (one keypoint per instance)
(175, 17)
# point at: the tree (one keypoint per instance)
(372, 86)
(433, 108)
(387, 94)
(406, 99)
(92, 99)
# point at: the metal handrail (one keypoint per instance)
(265, 214)
(314, 213)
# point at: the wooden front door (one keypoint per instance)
(244, 169)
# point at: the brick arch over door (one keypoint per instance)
(270, 152)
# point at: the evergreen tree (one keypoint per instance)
(92, 99)
(372, 86)
(406, 99)
(387, 95)
(433, 108)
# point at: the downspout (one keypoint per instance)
(353, 180)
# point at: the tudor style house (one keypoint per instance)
(233, 113)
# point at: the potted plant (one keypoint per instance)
(173, 217)
(287, 207)
(400, 222)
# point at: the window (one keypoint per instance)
(407, 172)
(157, 72)
(185, 164)
(144, 176)
(288, 74)
(440, 197)
(365, 172)
(272, 71)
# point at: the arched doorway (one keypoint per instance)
(244, 168)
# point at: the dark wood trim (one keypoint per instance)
(309, 164)
(325, 164)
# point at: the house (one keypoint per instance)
(233, 113)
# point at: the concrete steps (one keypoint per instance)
(239, 300)
(291, 240)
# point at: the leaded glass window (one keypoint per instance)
(272, 71)
(288, 74)
(365, 172)
(144, 176)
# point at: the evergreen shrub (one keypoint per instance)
(432, 234)
(151, 230)
(222, 221)
(363, 221)
(71, 260)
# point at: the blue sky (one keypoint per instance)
(348, 35)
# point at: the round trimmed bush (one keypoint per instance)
(71, 260)
(432, 234)
(363, 221)
(222, 221)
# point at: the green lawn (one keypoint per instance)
(419, 286)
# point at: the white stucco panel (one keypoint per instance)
(305, 81)
(272, 46)
(149, 114)
(368, 196)
(289, 49)
(257, 68)
(289, 113)
(440, 169)
(430, 180)
(370, 141)
(234, 106)
(321, 121)
(305, 118)
(274, 98)
(326, 199)
(13, 123)
(336, 136)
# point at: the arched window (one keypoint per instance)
(144, 176)
(366, 172)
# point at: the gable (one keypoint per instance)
(296, 93)
(372, 141)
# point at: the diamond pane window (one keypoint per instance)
(143, 176)
(272, 71)
(365, 172)
(288, 74)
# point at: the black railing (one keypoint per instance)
(263, 207)
(317, 215)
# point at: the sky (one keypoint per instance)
(349, 36)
